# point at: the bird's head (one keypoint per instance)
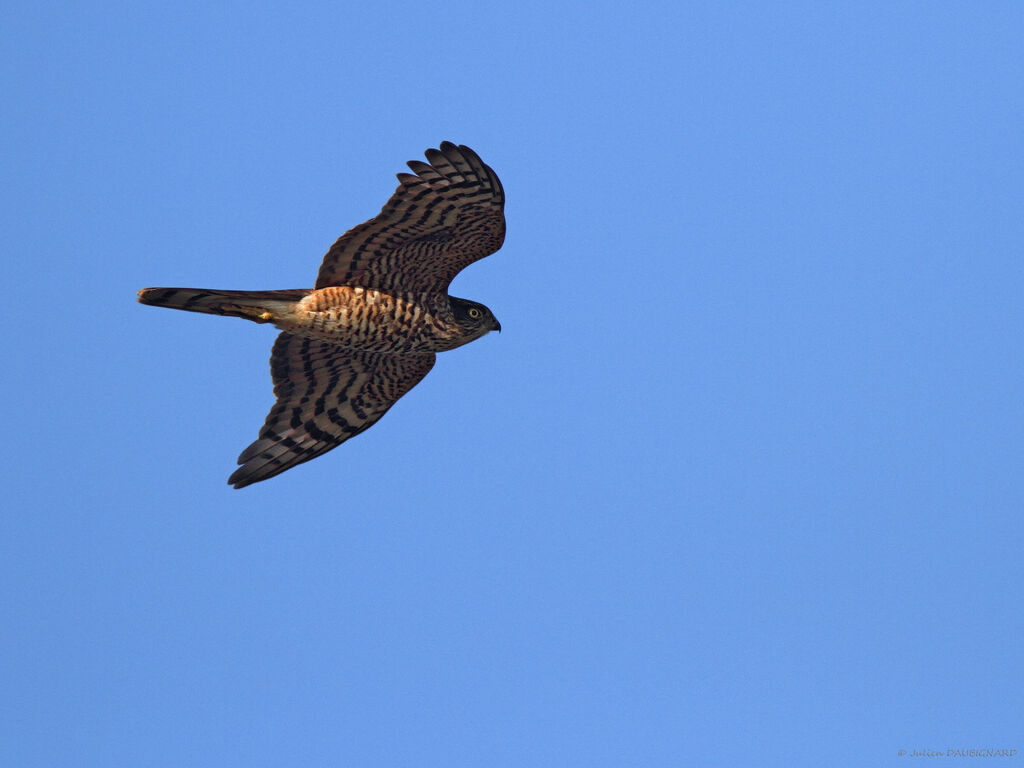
(475, 319)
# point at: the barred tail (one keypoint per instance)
(258, 306)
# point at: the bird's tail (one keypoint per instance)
(258, 306)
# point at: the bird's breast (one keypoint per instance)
(372, 320)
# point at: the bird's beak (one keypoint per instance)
(497, 325)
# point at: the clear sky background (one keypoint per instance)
(740, 483)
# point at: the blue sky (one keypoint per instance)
(739, 483)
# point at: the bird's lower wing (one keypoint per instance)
(325, 395)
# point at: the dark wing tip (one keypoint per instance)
(268, 457)
(239, 480)
(256, 471)
(248, 473)
(456, 154)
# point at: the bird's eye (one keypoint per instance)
(475, 313)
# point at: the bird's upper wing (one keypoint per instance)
(442, 218)
(325, 395)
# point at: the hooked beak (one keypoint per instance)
(497, 325)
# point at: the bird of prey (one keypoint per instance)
(380, 311)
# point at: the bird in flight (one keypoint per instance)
(380, 311)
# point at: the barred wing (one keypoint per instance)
(325, 395)
(443, 217)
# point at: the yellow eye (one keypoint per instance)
(475, 313)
